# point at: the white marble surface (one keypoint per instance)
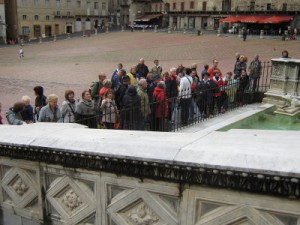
(259, 151)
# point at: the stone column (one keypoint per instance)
(83, 33)
(261, 34)
(169, 30)
(143, 28)
(155, 28)
(106, 29)
(219, 32)
(22, 42)
(54, 38)
(122, 28)
(96, 32)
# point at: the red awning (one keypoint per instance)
(252, 19)
(231, 19)
(277, 19)
(148, 17)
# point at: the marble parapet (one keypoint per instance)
(250, 160)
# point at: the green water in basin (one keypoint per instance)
(267, 120)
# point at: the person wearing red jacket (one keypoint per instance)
(220, 83)
(214, 68)
(161, 106)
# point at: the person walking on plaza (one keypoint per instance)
(142, 69)
(21, 53)
(51, 112)
(85, 111)
(13, 115)
(68, 108)
(244, 33)
(1, 122)
(255, 69)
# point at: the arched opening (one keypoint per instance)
(78, 25)
(87, 24)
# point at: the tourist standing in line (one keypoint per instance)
(109, 109)
(68, 108)
(172, 90)
(185, 96)
(40, 100)
(214, 67)
(237, 61)
(145, 106)
(13, 115)
(142, 69)
(85, 111)
(241, 65)
(161, 109)
(204, 71)
(51, 112)
(27, 113)
(254, 73)
(133, 76)
(156, 69)
(96, 88)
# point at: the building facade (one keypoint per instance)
(203, 14)
(43, 18)
(2, 23)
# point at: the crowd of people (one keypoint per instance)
(144, 98)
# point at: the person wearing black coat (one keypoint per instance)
(40, 100)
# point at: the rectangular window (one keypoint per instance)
(182, 6)
(25, 30)
(268, 6)
(284, 6)
(68, 14)
(24, 2)
(24, 17)
(96, 5)
(58, 13)
(252, 5)
(78, 4)
(69, 4)
(203, 6)
(160, 7)
(36, 2)
(47, 18)
(156, 7)
(36, 17)
(103, 8)
(174, 5)
(46, 3)
(57, 3)
(192, 5)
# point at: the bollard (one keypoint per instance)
(184, 31)
(155, 29)
(286, 32)
(261, 36)
(96, 32)
(122, 28)
(219, 32)
(54, 38)
(69, 36)
(169, 30)
(143, 28)
(83, 34)
(22, 42)
(40, 40)
(240, 33)
(106, 29)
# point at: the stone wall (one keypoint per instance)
(37, 193)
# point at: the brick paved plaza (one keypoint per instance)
(74, 64)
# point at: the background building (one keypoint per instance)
(2, 23)
(200, 14)
(42, 18)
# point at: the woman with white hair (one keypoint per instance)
(27, 113)
(50, 112)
